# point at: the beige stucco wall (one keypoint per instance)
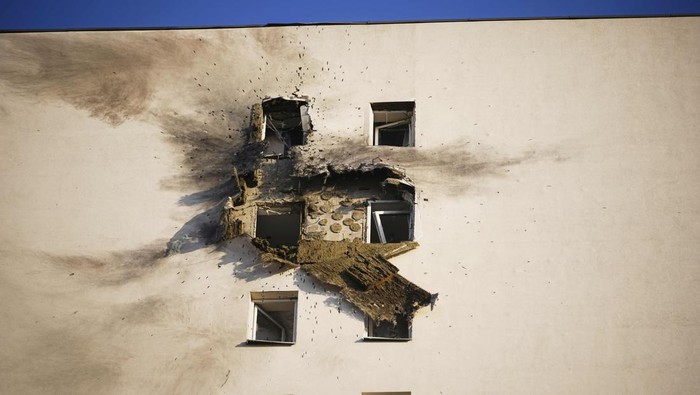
(556, 165)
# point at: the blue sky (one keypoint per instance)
(82, 14)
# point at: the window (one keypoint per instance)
(387, 331)
(284, 125)
(389, 221)
(388, 393)
(393, 123)
(279, 224)
(273, 317)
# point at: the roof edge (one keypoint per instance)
(400, 22)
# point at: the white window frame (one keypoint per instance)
(258, 298)
(373, 217)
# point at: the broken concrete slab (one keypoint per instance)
(364, 276)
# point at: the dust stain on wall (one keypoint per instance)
(114, 268)
(110, 76)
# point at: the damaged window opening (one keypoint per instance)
(393, 124)
(273, 317)
(279, 224)
(284, 125)
(387, 331)
(389, 221)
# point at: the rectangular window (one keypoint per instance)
(284, 125)
(388, 393)
(389, 221)
(387, 331)
(393, 123)
(279, 224)
(273, 317)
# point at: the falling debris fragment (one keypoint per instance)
(365, 276)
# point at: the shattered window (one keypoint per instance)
(386, 330)
(273, 317)
(279, 224)
(285, 122)
(393, 124)
(390, 221)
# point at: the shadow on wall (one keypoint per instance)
(196, 233)
(245, 260)
(334, 300)
(210, 159)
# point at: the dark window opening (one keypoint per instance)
(386, 330)
(280, 224)
(395, 136)
(393, 124)
(285, 125)
(390, 222)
